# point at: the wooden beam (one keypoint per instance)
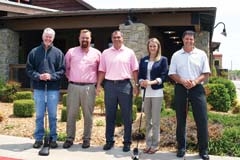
(96, 21)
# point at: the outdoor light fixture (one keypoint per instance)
(128, 21)
(169, 32)
(130, 18)
(224, 29)
(174, 37)
(177, 42)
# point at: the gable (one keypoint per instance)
(64, 5)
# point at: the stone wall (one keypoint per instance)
(135, 37)
(202, 41)
(9, 47)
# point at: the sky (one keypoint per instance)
(228, 12)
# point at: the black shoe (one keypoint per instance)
(53, 144)
(108, 146)
(67, 144)
(86, 144)
(204, 156)
(37, 144)
(180, 153)
(126, 147)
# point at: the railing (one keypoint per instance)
(17, 73)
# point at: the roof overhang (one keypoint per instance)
(85, 4)
(20, 8)
(200, 18)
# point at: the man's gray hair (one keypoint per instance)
(49, 31)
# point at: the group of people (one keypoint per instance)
(118, 72)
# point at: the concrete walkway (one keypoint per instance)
(21, 148)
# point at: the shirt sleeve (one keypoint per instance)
(102, 64)
(134, 62)
(67, 64)
(206, 67)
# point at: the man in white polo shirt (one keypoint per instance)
(189, 68)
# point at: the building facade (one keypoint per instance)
(21, 32)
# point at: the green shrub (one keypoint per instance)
(225, 119)
(61, 136)
(236, 108)
(134, 113)
(64, 99)
(7, 90)
(167, 113)
(99, 123)
(214, 71)
(138, 102)
(23, 108)
(119, 120)
(99, 101)
(229, 85)
(228, 144)
(218, 97)
(168, 91)
(64, 114)
(23, 95)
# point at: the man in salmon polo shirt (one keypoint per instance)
(81, 70)
(117, 66)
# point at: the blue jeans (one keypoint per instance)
(41, 107)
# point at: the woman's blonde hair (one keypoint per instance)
(156, 41)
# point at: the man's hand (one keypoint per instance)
(98, 89)
(188, 83)
(45, 76)
(136, 90)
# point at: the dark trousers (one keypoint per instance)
(196, 97)
(119, 93)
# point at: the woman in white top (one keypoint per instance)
(153, 70)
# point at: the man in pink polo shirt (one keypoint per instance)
(81, 70)
(117, 66)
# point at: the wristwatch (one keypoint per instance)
(137, 85)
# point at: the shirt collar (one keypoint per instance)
(192, 52)
(122, 48)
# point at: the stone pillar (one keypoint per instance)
(9, 47)
(202, 41)
(135, 37)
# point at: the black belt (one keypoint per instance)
(81, 84)
(118, 81)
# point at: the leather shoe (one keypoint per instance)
(67, 144)
(204, 156)
(86, 144)
(53, 144)
(37, 144)
(126, 147)
(180, 153)
(108, 146)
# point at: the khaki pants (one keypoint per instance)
(84, 96)
(152, 109)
